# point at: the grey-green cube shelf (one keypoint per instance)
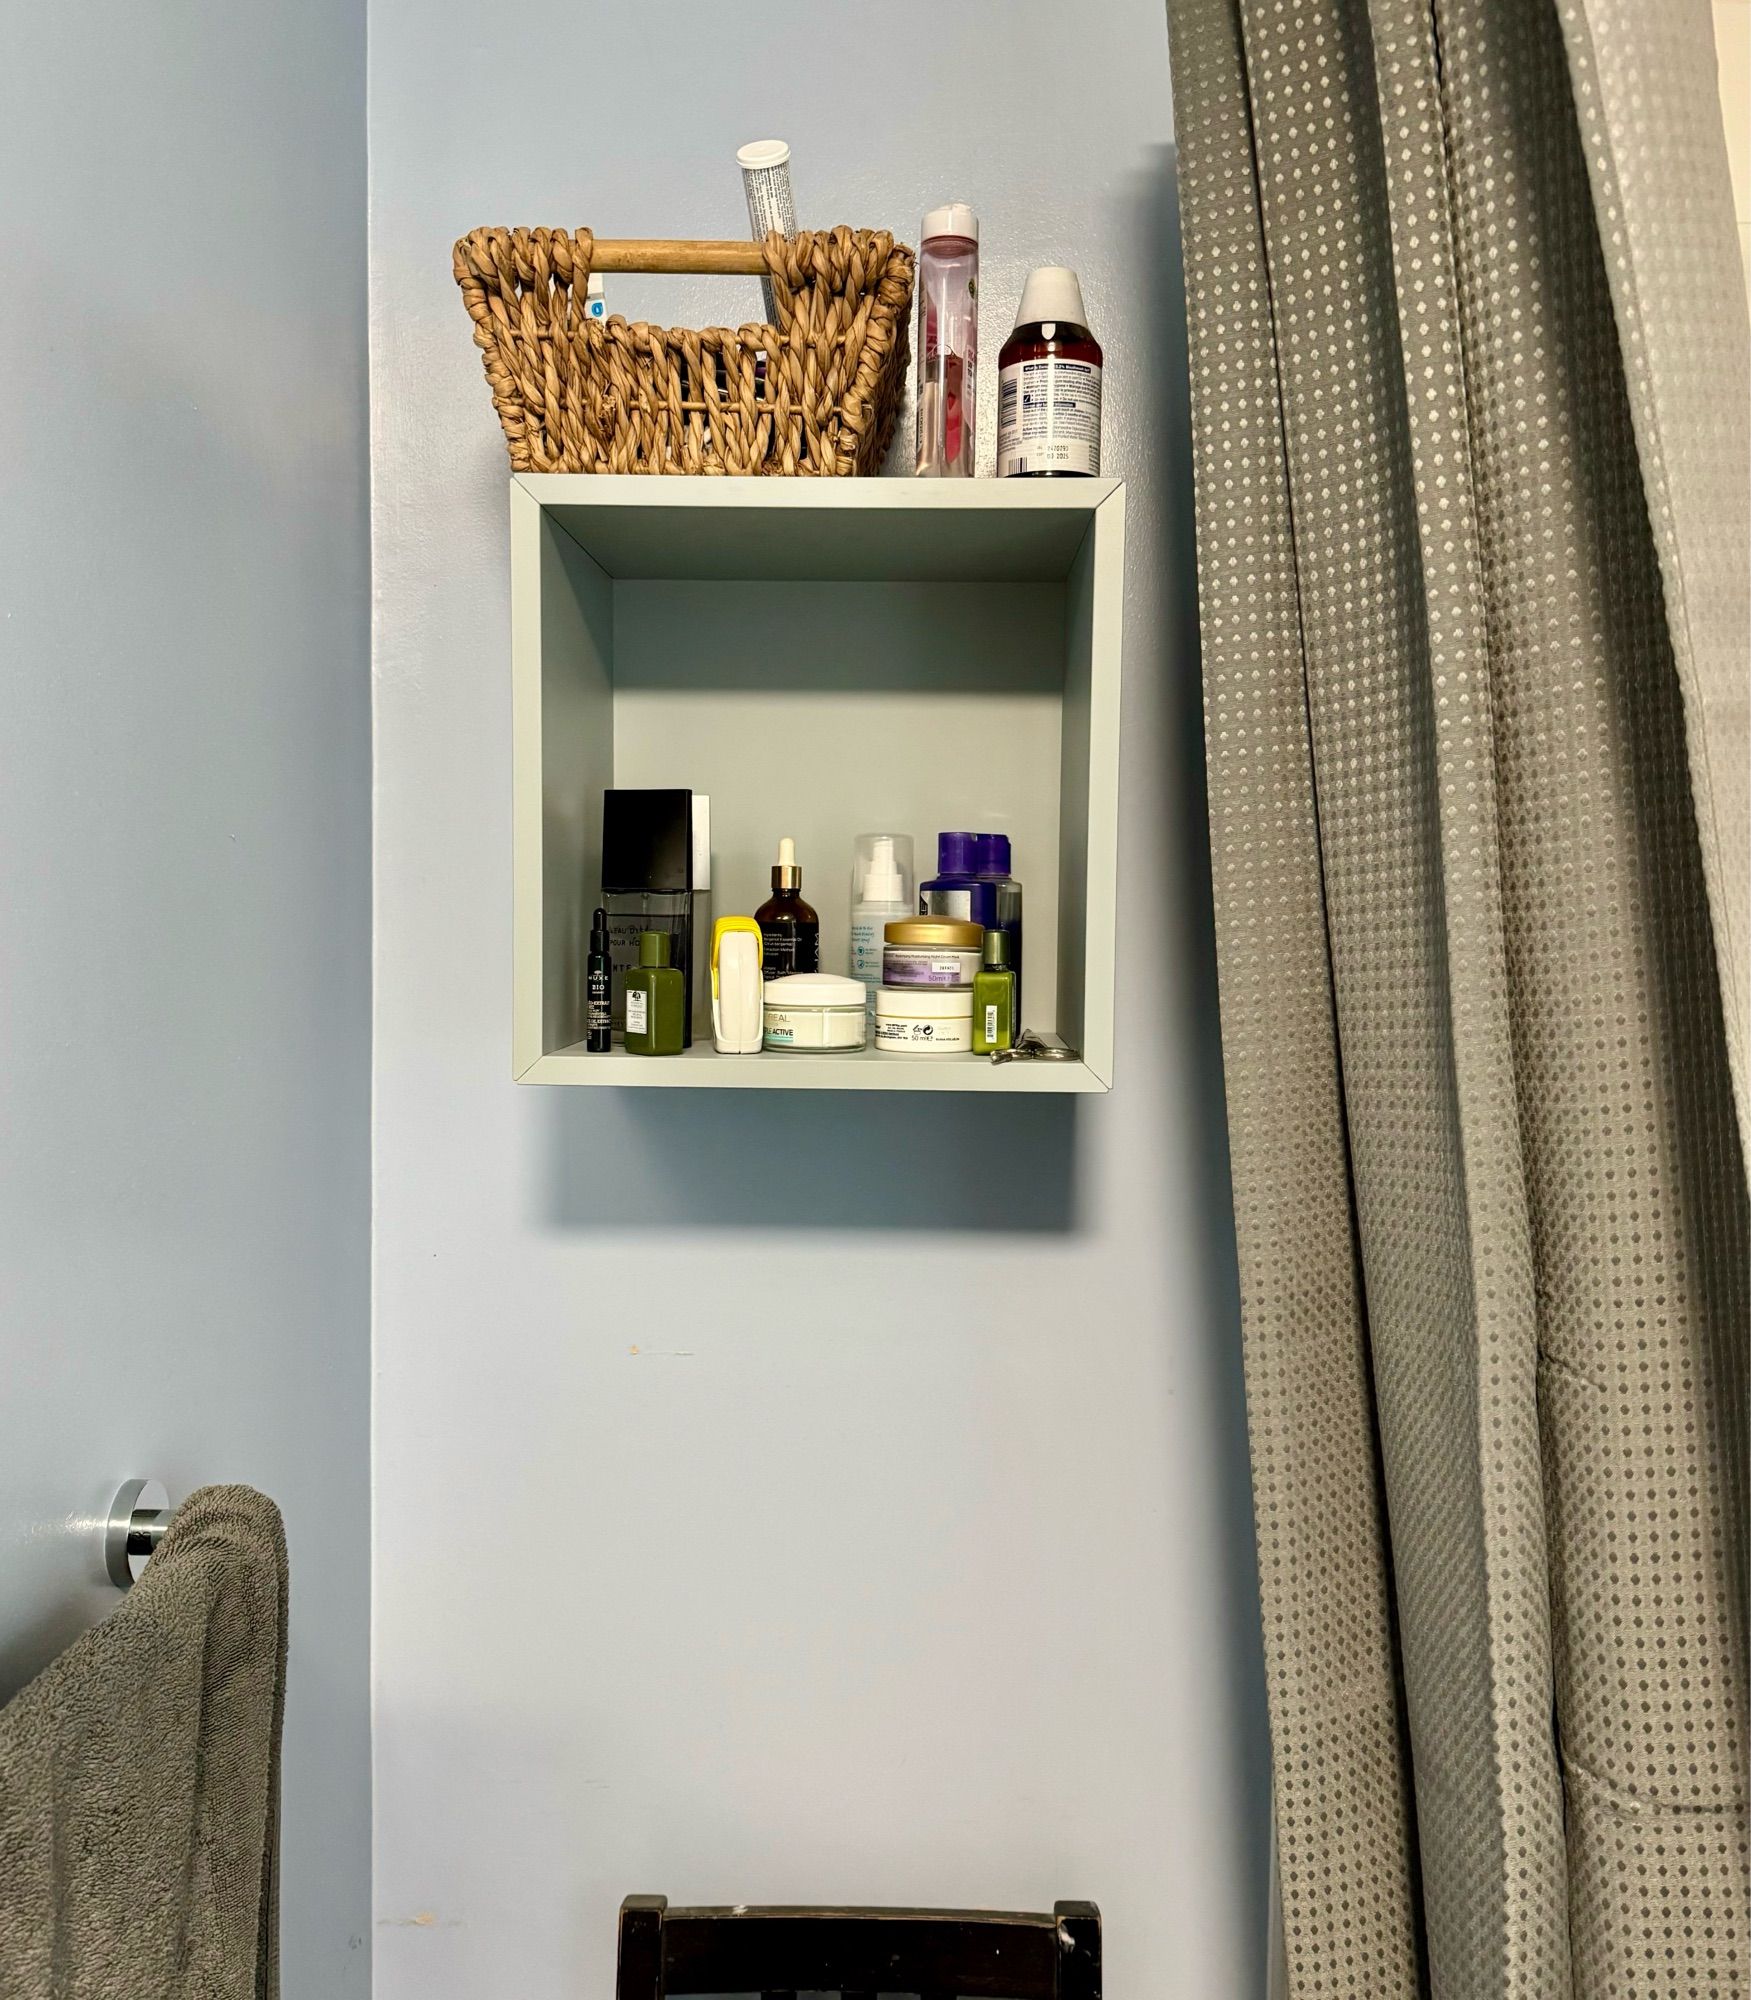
(824, 657)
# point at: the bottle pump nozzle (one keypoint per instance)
(882, 882)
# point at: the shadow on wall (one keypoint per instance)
(1173, 845)
(810, 1160)
(1177, 844)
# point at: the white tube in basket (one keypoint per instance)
(765, 165)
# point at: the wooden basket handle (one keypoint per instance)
(678, 253)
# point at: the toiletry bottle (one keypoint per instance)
(950, 891)
(765, 165)
(994, 997)
(656, 1000)
(948, 342)
(881, 891)
(736, 996)
(790, 928)
(650, 843)
(699, 926)
(599, 990)
(1048, 384)
(1003, 910)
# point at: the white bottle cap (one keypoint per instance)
(760, 153)
(954, 218)
(787, 852)
(1051, 293)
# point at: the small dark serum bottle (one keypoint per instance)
(599, 990)
(790, 931)
(1048, 384)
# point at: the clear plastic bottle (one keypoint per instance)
(948, 343)
(881, 891)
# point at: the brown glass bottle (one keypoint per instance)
(1048, 385)
(790, 931)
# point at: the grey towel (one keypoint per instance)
(140, 1779)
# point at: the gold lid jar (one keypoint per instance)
(944, 933)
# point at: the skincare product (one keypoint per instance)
(699, 989)
(595, 299)
(955, 877)
(736, 997)
(648, 853)
(814, 1010)
(948, 342)
(599, 990)
(973, 881)
(765, 165)
(1048, 384)
(991, 863)
(656, 1000)
(949, 892)
(994, 997)
(881, 889)
(924, 1020)
(789, 927)
(931, 951)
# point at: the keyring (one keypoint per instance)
(1033, 1047)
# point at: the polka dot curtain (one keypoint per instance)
(1470, 395)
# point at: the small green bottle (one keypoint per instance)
(994, 997)
(656, 1000)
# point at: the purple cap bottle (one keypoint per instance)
(955, 890)
(973, 881)
(991, 854)
(957, 853)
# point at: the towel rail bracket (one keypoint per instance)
(137, 1519)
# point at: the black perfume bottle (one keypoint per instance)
(647, 884)
(599, 990)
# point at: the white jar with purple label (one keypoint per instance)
(931, 951)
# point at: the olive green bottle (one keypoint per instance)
(656, 999)
(994, 997)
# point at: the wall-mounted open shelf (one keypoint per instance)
(823, 657)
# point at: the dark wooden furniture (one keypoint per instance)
(780, 1952)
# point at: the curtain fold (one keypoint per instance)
(1472, 833)
(1644, 85)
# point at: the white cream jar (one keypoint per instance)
(815, 1011)
(924, 1020)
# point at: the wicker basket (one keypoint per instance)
(582, 395)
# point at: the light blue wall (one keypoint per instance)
(184, 838)
(797, 1557)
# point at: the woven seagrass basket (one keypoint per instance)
(816, 393)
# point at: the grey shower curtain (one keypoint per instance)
(1470, 390)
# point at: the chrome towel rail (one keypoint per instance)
(138, 1517)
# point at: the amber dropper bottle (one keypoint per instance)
(790, 931)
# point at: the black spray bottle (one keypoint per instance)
(599, 990)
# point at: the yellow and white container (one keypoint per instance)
(737, 990)
(924, 1020)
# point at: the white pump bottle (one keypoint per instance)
(883, 890)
